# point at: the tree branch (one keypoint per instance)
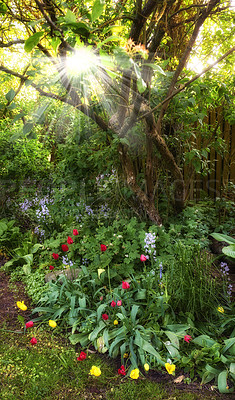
(81, 107)
(11, 43)
(173, 94)
(201, 19)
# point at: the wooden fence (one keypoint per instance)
(220, 180)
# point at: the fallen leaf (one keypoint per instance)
(179, 379)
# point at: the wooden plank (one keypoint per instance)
(232, 152)
(226, 159)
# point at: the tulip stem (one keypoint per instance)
(109, 280)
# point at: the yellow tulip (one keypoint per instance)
(135, 373)
(115, 322)
(125, 355)
(170, 368)
(52, 323)
(220, 309)
(21, 305)
(95, 371)
(100, 271)
(146, 367)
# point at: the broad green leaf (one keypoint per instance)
(28, 127)
(109, 39)
(32, 41)
(55, 42)
(141, 294)
(93, 335)
(97, 9)
(27, 269)
(173, 338)
(18, 116)
(78, 338)
(70, 17)
(10, 95)
(36, 247)
(116, 345)
(82, 302)
(212, 370)
(59, 312)
(222, 383)
(100, 310)
(28, 258)
(12, 106)
(134, 312)
(178, 328)
(229, 251)
(3, 226)
(204, 341)
(141, 85)
(155, 68)
(3, 8)
(223, 238)
(207, 377)
(229, 345)
(232, 370)
(174, 353)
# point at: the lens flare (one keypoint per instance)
(82, 61)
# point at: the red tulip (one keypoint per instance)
(103, 247)
(33, 341)
(82, 356)
(143, 258)
(55, 256)
(187, 338)
(64, 247)
(125, 285)
(69, 240)
(29, 324)
(122, 370)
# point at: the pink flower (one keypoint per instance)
(75, 232)
(103, 247)
(113, 303)
(33, 341)
(29, 324)
(69, 240)
(55, 256)
(187, 338)
(101, 298)
(143, 258)
(119, 303)
(82, 356)
(51, 267)
(64, 247)
(125, 285)
(105, 317)
(122, 370)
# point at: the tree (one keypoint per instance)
(130, 42)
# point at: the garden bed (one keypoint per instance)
(170, 387)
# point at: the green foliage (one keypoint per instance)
(213, 360)
(228, 250)
(10, 234)
(24, 255)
